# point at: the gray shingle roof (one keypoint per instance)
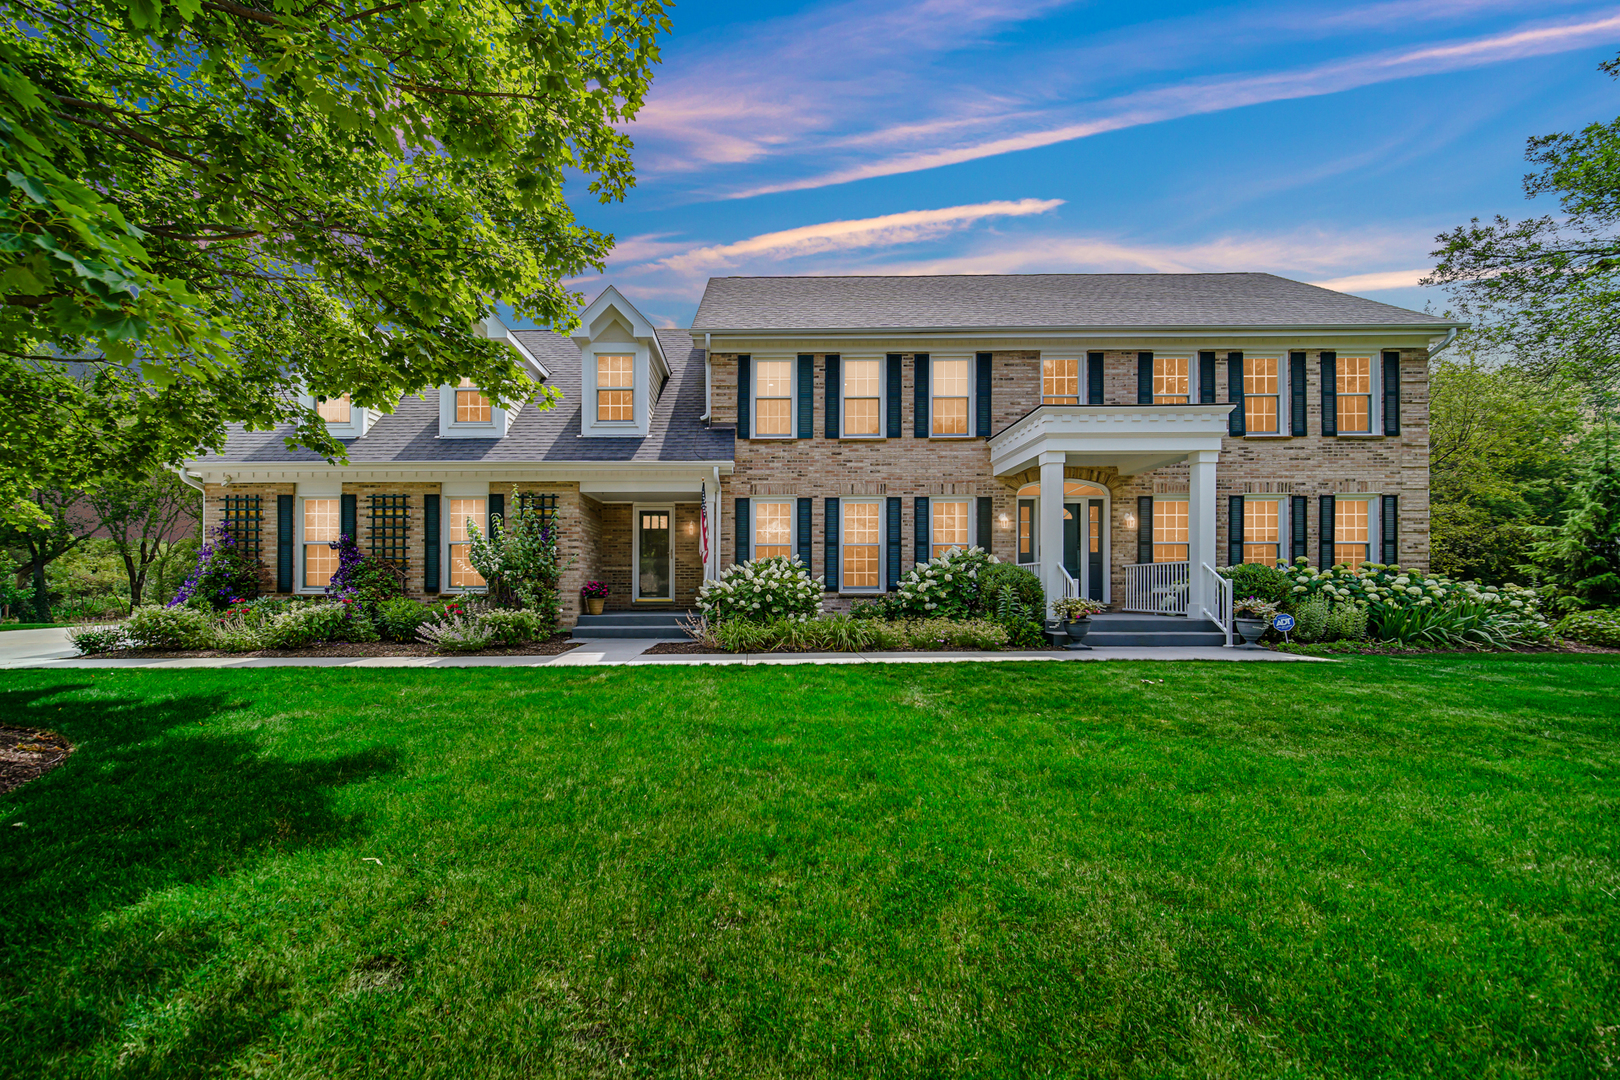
(1007, 301)
(411, 433)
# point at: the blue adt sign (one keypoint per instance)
(1283, 623)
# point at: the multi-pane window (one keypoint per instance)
(949, 528)
(615, 389)
(1170, 530)
(1354, 376)
(1350, 537)
(773, 398)
(1026, 531)
(950, 405)
(1171, 385)
(464, 511)
(1094, 533)
(862, 551)
(1060, 380)
(773, 530)
(1261, 531)
(334, 410)
(863, 397)
(472, 407)
(322, 520)
(1261, 392)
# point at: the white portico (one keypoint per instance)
(1131, 439)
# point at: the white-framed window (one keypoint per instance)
(950, 382)
(615, 388)
(1060, 380)
(863, 399)
(861, 545)
(1262, 395)
(949, 525)
(472, 407)
(1262, 531)
(1026, 530)
(1172, 381)
(773, 399)
(1170, 536)
(1354, 376)
(320, 519)
(1352, 531)
(336, 410)
(773, 528)
(459, 511)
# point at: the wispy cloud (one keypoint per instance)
(1215, 95)
(1391, 279)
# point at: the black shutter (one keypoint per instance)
(497, 509)
(349, 522)
(922, 532)
(745, 404)
(983, 526)
(1234, 531)
(1330, 394)
(804, 532)
(1144, 378)
(981, 394)
(834, 390)
(1235, 421)
(1094, 378)
(1299, 546)
(893, 397)
(284, 543)
(1144, 528)
(740, 528)
(1324, 537)
(1296, 393)
(830, 524)
(919, 390)
(430, 543)
(1206, 378)
(1389, 530)
(807, 397)
(1392, 393)
(893, 537)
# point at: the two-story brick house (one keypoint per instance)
(1119, 434)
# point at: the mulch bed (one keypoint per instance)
(678, 648)
(1393, 649)
(559, 643)
(27, 754)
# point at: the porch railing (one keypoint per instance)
(1158, 588)
(1071, 587)
(1219, 591)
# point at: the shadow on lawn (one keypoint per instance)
(152, 799)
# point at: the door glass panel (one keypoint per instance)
(653, 572)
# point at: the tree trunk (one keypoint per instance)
(42, 595)
(137, 578)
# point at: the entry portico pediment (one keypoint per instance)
(1130, 438)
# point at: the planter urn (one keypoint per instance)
(1252, 630)
(593, 604)
(1077, 629)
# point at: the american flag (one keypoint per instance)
(703, 526)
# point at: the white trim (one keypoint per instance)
(882, 545)
(843, 398)
(464, 489)
(299, 587)
(640, 391)
(360, 419)
(467, 491)
(226, 472)
(972, 393)
(792, 399)
(330, 488)
(636, 510)
(500, 420)
(1284, 420)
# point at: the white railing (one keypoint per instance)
(1218, 590)
(1158, 588)
(1071, 587)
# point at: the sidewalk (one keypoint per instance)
(50, 649)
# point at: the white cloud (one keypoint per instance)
(1389, 279)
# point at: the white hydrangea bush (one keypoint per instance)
(1408, 605)
(946, 586)
(762, 590)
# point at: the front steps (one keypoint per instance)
(1145, 631)
(662, 624)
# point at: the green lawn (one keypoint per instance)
(27, 626)
(1384, 867)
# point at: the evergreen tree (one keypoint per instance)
(1580, 559)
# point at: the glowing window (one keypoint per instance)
(1261, 535)
(334, 410)
(615, 389)
(1354, 378)
(1170, 380)
(862, 552)
(1350, 537)
(1260, 395)
(773, 398)
(1060, 380)
(950, 390)
(773, 530)
(949, 528)
(472, 407)
(322, 520)
(863, 397)
(1170, 530)
(462, 513)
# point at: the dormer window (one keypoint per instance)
(466, 412)
(615, 388)
(472, 407)
(343, 418)
(335, 410)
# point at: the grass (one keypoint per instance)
(27, 626)
(1384, 867)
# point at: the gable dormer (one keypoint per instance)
(622, 368)
(465, 412)
(344, 419)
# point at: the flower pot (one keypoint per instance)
(593, 604)
(1252, 630)
(1077, 630)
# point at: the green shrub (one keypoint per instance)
(1346, 622)
(841, 633)
(239, 633)
(1016, 584)
(398, 619)
(1023, 634)
(318, 624)
(956, 634)
(170, 628)
(1601, 627)
(108, 637)
(1311, 619)
(1266, 583)
(455, 633)
(508, 628)
(762, 590)
(879, 607)
(944, 586)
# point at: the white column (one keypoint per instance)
(1052, 525)
(1201, 511)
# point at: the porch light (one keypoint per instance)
(1130, 520)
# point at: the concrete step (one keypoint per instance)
(1149, 624)
(665, 618)
(615, 633)
(1153, 641)
(1144, 632)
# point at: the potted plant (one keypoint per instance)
(594, 594)
(1251, 616)
(1075, 614)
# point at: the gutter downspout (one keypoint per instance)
(1451, 336)
(708, 384)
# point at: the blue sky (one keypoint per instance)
(1327, 142)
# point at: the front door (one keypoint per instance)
(1094, 553)
(653, 555)
(1073, 540)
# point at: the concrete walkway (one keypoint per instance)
(50, 649)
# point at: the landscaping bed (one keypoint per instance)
(27, 754)
(557, 644)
